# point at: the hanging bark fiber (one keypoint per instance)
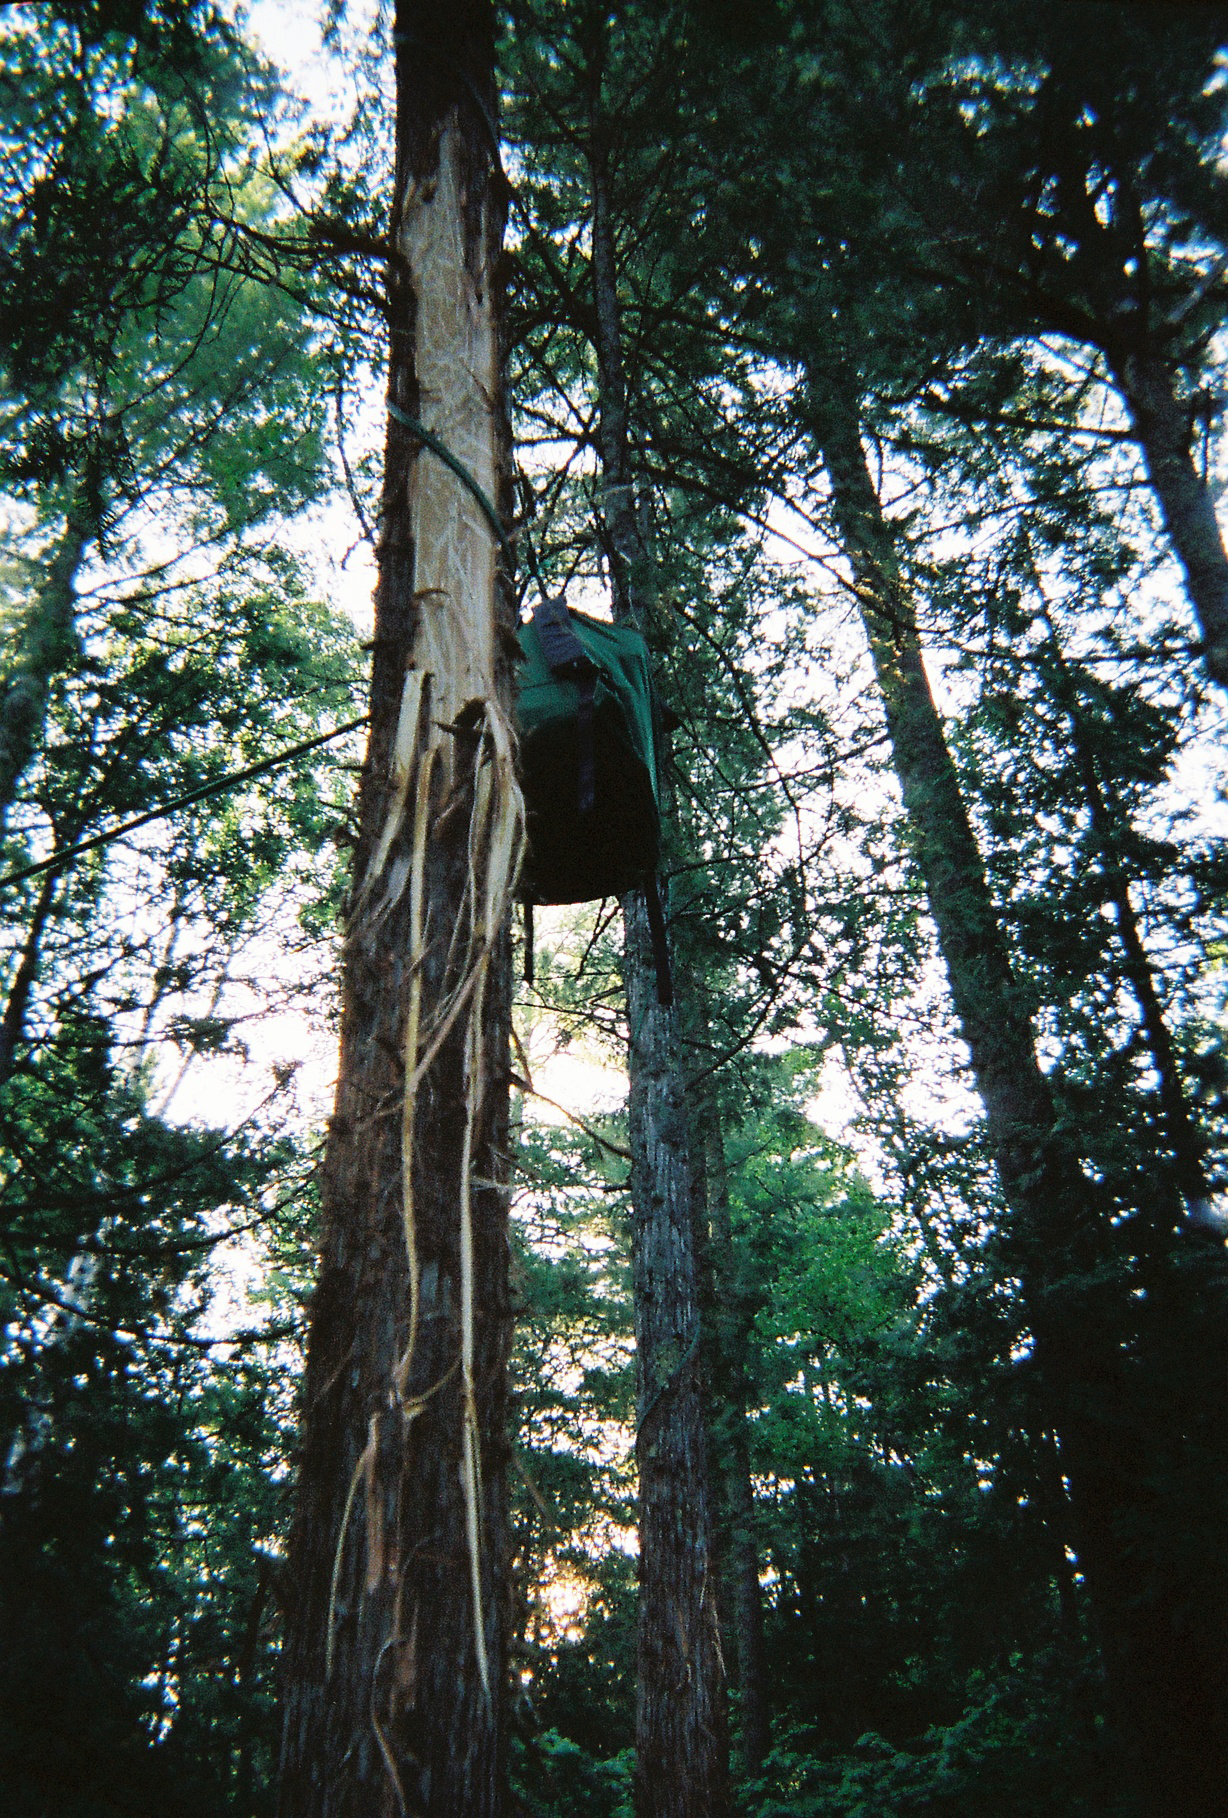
(396, 1636)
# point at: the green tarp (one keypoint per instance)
(574, 858)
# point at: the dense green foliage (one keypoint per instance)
(975, 228)
(161, 423)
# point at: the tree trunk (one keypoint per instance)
(682, 1762)
(13, 1022)
(1162, 425)
(394, 1669)
(1185, 1141)
(730, 1393)
(47, 644)
(1146, 1478)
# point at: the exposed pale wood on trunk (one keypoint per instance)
(393, 1700)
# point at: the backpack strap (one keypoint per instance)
(556, 634)
(566, 657)
(660, 947)
(586, 747)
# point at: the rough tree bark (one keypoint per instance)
(1131, 1461)
(395, 1646)
(682, 1762)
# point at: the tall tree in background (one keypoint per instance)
(681, 1757)
(396, 1637)
(1161, 1616)
(681, 1738)
(681, 1748)
(1122, 1281)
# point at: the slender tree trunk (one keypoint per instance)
(1162, 425)
(393, 1684)
(13, 1022)
(1184, 1139)
(46, 646)
(730, 1395)
(1138, 1472)
(682, 1763)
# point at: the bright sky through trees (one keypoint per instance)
(870, 362)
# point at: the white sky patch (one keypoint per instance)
(291, 35)
(570, 1073)
(339, 557)
(573, 1082)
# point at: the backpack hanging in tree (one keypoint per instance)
(591, 735)
(591, 729)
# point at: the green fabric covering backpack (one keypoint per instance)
(592, 732)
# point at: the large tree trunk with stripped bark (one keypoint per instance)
(394, 1664)
(1134, 1389)
(681, 1731)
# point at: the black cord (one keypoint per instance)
(60, 859)
(430, 440)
